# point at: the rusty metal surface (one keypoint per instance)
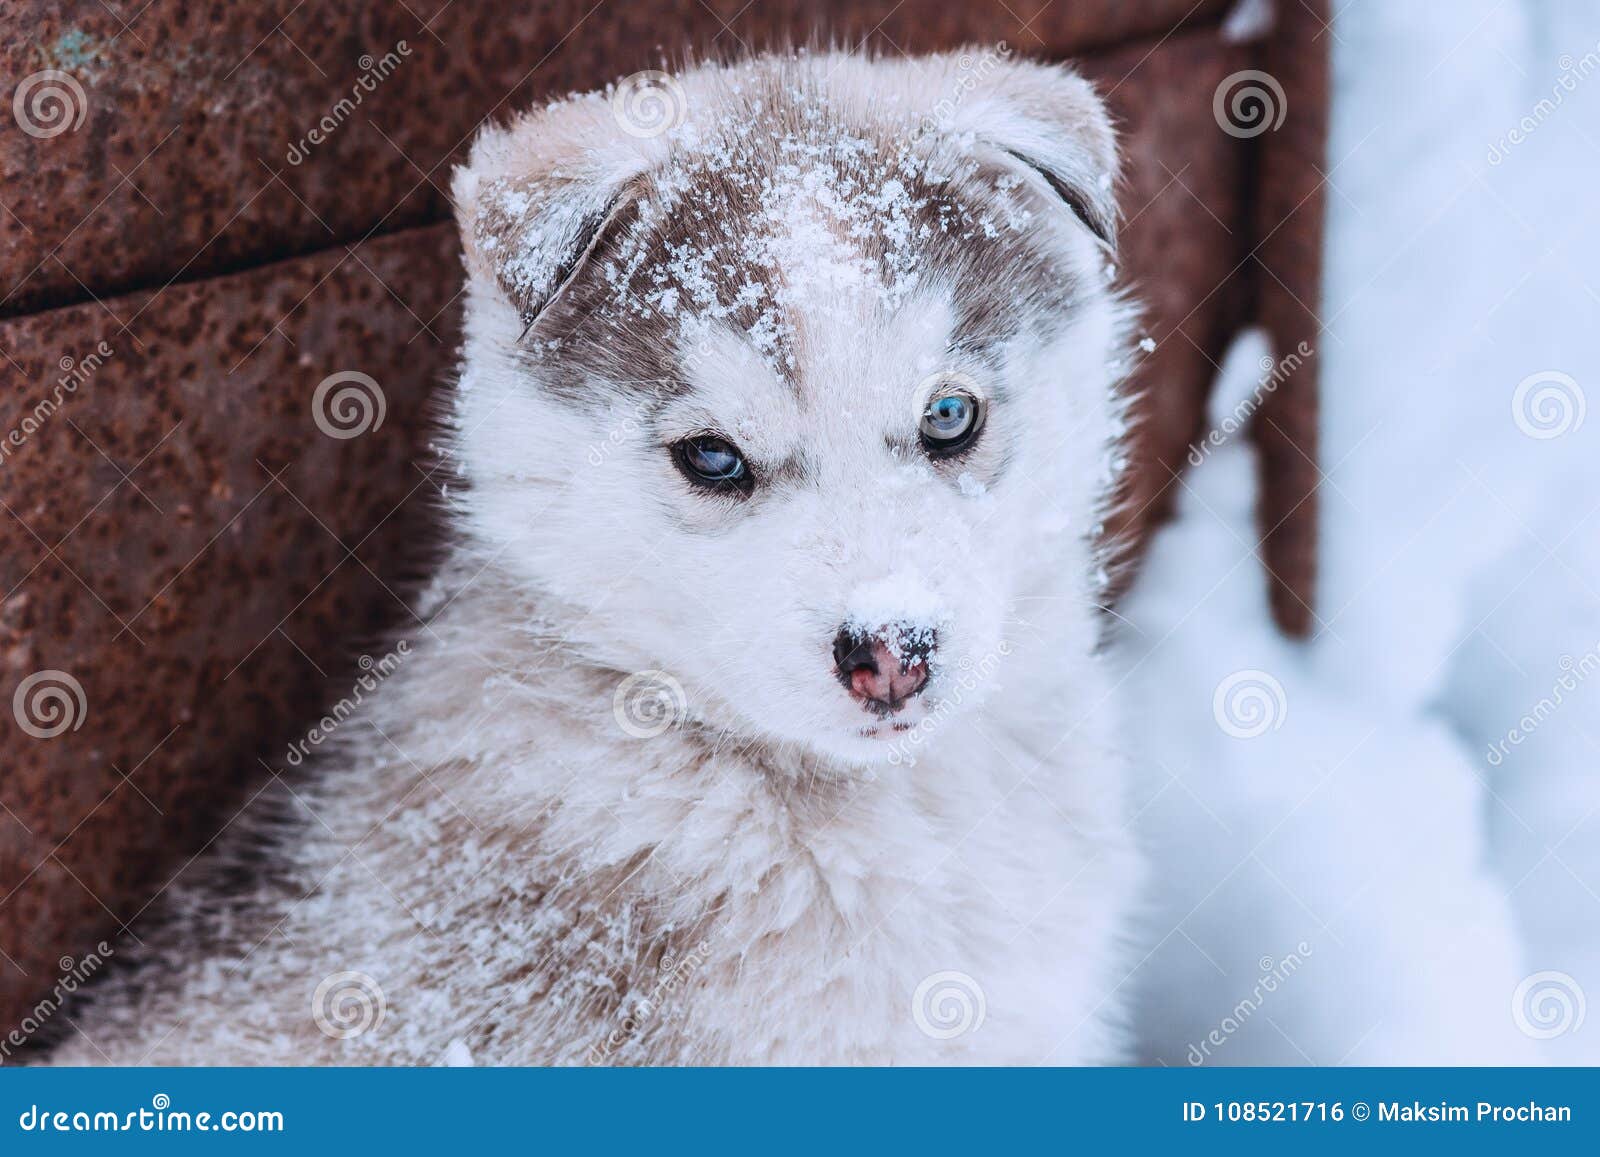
(182, 542)
(175, 140)
(1286, 255)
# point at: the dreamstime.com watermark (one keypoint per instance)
(1274, 372)
(970, 72)
(1273, 974)
(73, 974)
(160, 1117)
(1573, 73)
(955, 687)
(374, 672)
(1574, 673)
(672, 973)
(373, 73)
(626, 427)
(622, 431)
(75, 372)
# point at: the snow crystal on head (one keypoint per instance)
(825, 220)
(827, 234)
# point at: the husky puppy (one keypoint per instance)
(756, 715)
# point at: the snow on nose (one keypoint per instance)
(879, 676)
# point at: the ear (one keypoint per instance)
(1043, 120)
(536, 198)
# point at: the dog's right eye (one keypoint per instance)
(950, 424)
(713, 463)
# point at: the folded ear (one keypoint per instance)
(536, 197)
(1043, 120)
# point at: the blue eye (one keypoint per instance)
(950, 424)
(713, 463)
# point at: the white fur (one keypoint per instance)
(527, 882)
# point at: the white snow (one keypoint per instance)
(900, 608)
(1434, 881)
(1249, 21)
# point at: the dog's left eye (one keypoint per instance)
(713, 463)
(950, 424)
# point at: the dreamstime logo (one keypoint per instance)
(1574, 673)
(1273, 974)
(1249, 103)
(75, 372)
(672, 973)
(648, 104)
(967, 678)
(48, 704)
(1274, 372)
(373, 672)
(347, 1004)
(49, 103)
(1548, 404)
(1547, 1005)
(623, 430)
(948, 1004)
(649, 703)
(1249, 703)
(155, 1119)
(627, 422)
(373, 73)
(74, 973)
(348, 404)
(1573, 72)
(970, 72)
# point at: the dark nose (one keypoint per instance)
(877, 676)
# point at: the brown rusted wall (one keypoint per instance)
(191, 109)
(181, 538)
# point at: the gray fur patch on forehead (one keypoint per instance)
(783, 214)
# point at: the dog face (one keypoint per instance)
(806, 398)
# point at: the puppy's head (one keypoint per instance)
(794, 377)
